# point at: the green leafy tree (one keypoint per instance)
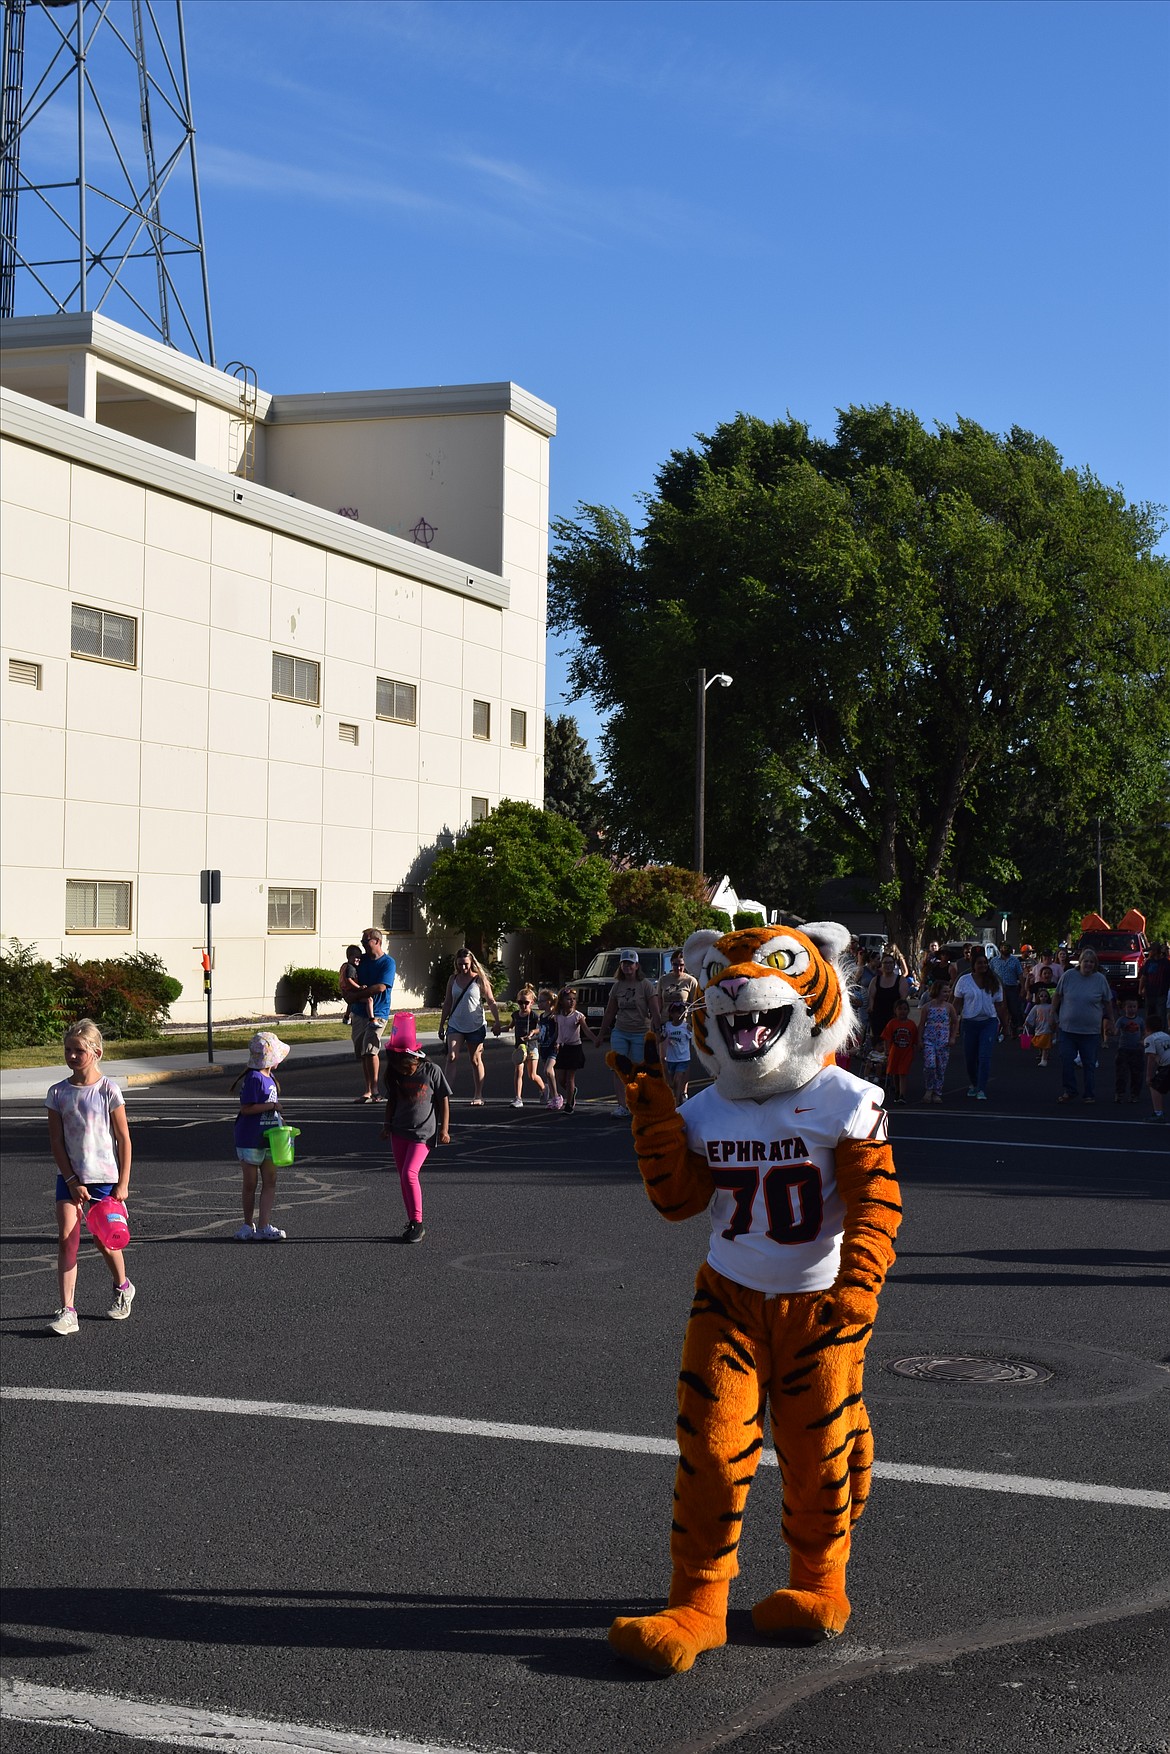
(570, 778)
(520, 869)
(924, 630)
(662, 904)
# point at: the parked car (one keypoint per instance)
(594, 985)
(1121, 950)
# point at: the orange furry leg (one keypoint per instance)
(694, 1620)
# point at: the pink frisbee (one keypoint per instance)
(108, 1222)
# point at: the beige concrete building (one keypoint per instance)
(299, 639)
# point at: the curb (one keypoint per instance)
(168, 1075)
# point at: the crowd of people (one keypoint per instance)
(980, 996)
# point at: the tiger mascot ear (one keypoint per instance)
(693, 950)
(830, 937)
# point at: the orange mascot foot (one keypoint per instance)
(694, 1620)
(814, 1603)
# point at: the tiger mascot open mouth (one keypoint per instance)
(773, 1006)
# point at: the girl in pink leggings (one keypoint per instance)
(418, 1112)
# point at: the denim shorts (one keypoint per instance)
(256, 1155)
(95, 1190)
(632, 1046)
(473, 1037)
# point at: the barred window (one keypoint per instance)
(479, 809)
(96, 906)
(96, 633)
(481, 720)
(296, 679)
(292, 910)
(519, 729)
(397, 701)
(394, 910)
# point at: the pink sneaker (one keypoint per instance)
(559, 1104)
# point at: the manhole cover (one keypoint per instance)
(959, 1369)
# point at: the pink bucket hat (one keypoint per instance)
(266, 1051)
(403, 1036)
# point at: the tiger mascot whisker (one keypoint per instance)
(788, 1154)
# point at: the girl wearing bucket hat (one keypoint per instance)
(259, 1110)
(418, 1115)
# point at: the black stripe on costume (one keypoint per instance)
(706, 1304)
(741, 1352)
(858, 1431)
(684, 1424)
(696, 1382)
(801, 1388)
(746, 1481)
(836, 1337)
(659, 1207)
(757, 1418)
(835, 1485)
(731, 1516)
(684, 1464)
(722, 1552)
(677, 1528)
(734, 1364)
(849, 1401)
(794, 1374)
(749, 1451)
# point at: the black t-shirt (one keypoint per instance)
(523, 1025)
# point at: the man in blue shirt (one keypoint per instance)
(370, 997)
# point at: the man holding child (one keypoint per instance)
(368, 994)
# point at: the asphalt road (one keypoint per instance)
(450, 1588)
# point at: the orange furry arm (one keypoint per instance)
(678, 1182)
(868, 1185)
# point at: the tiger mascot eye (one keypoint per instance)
(788, 1155)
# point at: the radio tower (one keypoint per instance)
(99, 191)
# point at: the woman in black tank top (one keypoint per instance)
(886, 988)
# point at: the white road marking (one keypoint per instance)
(900, 1138)
(182, 1726)
(1140, 1498)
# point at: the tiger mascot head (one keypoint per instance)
(773, 1005)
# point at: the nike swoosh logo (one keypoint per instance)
(802, 1111)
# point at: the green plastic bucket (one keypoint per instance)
(280, 1144)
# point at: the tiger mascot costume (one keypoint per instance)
(788, 1155)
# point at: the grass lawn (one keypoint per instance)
(289, 1029)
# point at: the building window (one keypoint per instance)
(24, 670)
(296, 679)
(348, 734)
(95, 633)
(96, 907)
(481, 720)
(479, 809)
(394, 910)
(397, 701)
(292, 910)
(519, 729)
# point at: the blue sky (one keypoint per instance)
(654, 215)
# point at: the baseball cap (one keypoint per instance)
(628, 956)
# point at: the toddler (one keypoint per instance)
(349, 972)
(90, 1142)
(1131, 1036)
(676, 1036)
(418, 1115)
(1038, 1023)
(1157, 1065)
(259, 1109)
(901, 1038)
(526, 1029)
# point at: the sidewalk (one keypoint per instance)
(33, 1081)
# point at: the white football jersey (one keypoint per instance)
(776, 1216)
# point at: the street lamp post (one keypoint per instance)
(703, 685)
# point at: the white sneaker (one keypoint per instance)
(246, 1233)
(120, 1308)
(517, 1102)
(269, 1233)
(64, 1322)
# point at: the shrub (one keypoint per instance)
(443, 967)
(742, 920)
(32, 998)
(296, 985)
(128, 997)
